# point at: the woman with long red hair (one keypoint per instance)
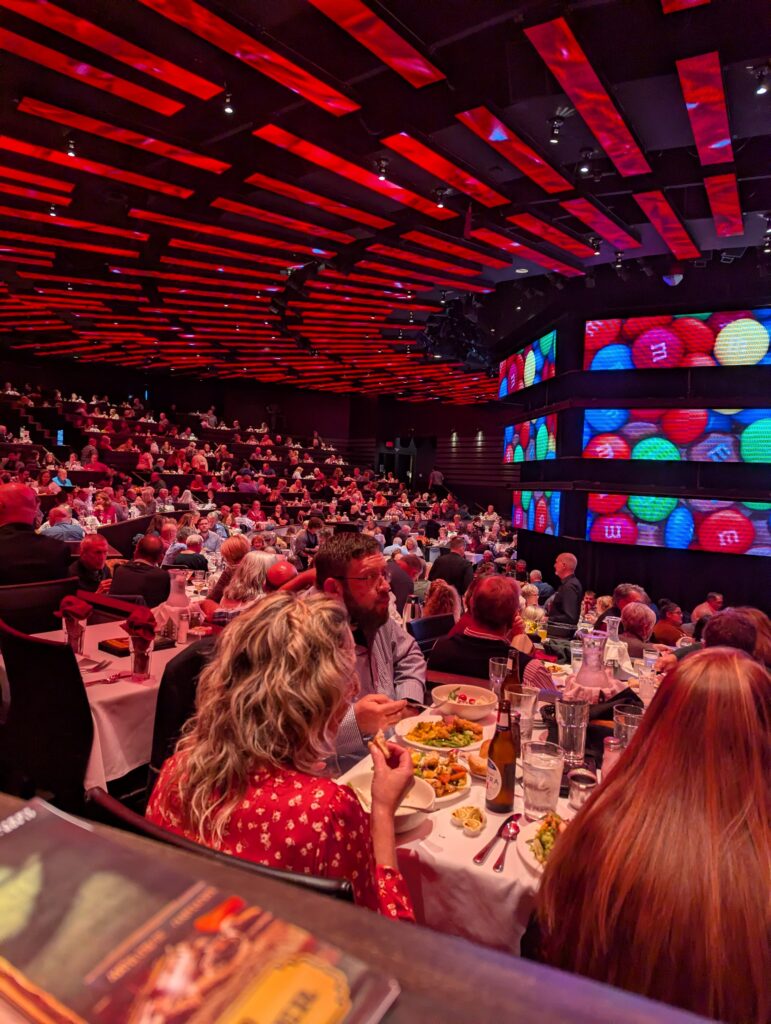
(661, 884)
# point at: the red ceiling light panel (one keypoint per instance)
(85, 73)
(670, 6)
(227, 37)
(34, 193)
(430, 161)
(723, 194)
(506, 142)
(289, 223)
(36, 179)
(547, 232)
(379, 38)
(422, 261)
(339, 165)
(122, 135)
(453, 249)
(701, 80)
(88, 34)
(600, 223)
(67, 244)
(524, 252)
(302, 195)
(664, 219)
(562, 52)
(70, 222)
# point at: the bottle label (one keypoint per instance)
(494, 780)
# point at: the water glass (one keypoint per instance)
(572, 719)
(626, 718)
(542, 765)
(650, 656)
(576, 655)
(140, 659)
(582, 784)
(647, 685)
(524, 703)
(498, 669)
(76, 635)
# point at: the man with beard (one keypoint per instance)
(389, 665)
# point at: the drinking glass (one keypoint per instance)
(612, 622)
(542, 765)
(524, 703)
(650, 656)
(626, 718)
(76, 635)
(647, 685)
(140, 659)
(572, 719)
(582, 784)
(576, 655)
(542, 631)
(497, 669)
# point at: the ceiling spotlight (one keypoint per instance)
(761, 77)
(518, 309)
(596, 244)
(768, 225)
(556, 124)
(585, 163)
(52, 210)
(443, 299)
(228, 107)
(617, 261)
(70, 147)
(767, 247)
(381, 166)
(520, 270)
(439, 196)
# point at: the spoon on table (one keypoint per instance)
(509, 834)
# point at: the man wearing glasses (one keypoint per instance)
(389, 664)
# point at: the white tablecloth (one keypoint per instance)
(123, 712)
(452, 894)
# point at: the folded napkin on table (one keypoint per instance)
(140, 625)
(73, 608)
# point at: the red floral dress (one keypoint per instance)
(298, 822)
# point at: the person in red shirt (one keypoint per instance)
(244, 778)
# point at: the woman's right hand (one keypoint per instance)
(393, 777)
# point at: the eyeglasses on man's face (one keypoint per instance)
(371, 579)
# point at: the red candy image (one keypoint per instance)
(647, 415)
(728, 531)
(684, 425)
(658, 347)
(599, 333)
(607, 446)
(695, 359)
(696, 335)
(606, 503)
(637, 324)
(614, 530)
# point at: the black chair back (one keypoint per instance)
(30, 607)
(48, 732)
(107, 809)
(110, 609)
(430, 627)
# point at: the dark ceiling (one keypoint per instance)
(144, 225)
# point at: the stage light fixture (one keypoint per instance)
(52, 210)
(761, 77)
(617, 261)
(556, 125)
(381, 166)
(443, 299)
(596, 244)
(439, 196)
(228, 107)
(585, 163)
(767, 247)
(71, 147)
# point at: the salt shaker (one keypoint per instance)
(612, 749)
(183, 625)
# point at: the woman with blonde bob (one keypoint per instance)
(661, 883)
(243, 780)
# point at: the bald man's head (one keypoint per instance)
(18, 504)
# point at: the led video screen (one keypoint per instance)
(531, 440)
(537, 510)
(531, 365)
(695, 524)
(678, 435)
(692, 339)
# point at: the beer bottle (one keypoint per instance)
(502, 761)
(512, 680)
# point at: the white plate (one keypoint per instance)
(450, 798)
(408, 724)
(526, 833)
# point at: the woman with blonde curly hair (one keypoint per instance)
(442, 599)
(242, 779)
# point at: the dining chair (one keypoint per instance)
(30, 607)
(429, 629)
(110, 609)
(47, 731)
(106, 809)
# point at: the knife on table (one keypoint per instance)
(483, 853)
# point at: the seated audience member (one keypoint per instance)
(247, 585)
(637, 622)
(143, 576)
(25, 556)
(91, 565)
(191, 557)
(210, 539)
(532, 614)
(711, 606)
(624, 594)
(669, 628)
(61, 525)
(233, 550)
(442, 599)
(279, 574)
(389, 665)
(611, 886)
(545, 590)
(453, 567)
(487, 634)
(306, 543)
(603, 603)
(172, 542)
(729, 628)
(403, 572)
(243, 777)
(762, 623)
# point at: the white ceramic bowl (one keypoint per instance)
(485, 701)
(420, 795)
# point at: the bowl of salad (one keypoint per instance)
(472, 702)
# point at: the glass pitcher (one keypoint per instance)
(613, 622)
(592, 672)
(177, 596)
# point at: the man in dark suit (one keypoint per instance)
(25, 556)
(143, 576)
(565, 609)
(453, 567)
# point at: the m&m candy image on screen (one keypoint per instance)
(739, 338)
(531, 440)
(674, 435)
(537, 510)
(694, 524)
(531, 365)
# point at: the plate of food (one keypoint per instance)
(471, 702)
(440, 732)
(537, 839)
(554, 669)
(448, 777)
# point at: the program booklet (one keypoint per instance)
(92, 932)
